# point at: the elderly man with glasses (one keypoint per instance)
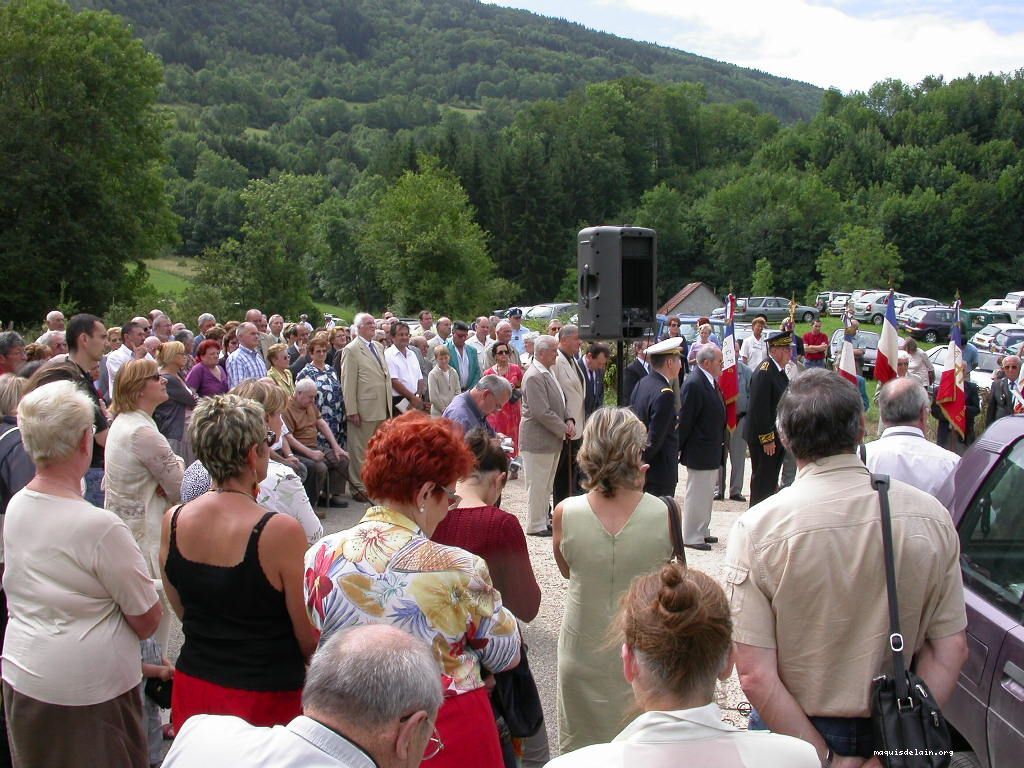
(1006, 398)
(371, 698)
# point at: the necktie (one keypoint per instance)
(375, 355)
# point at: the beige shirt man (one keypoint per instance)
(366, 387)
(543, 429)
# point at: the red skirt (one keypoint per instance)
(468, 731)
(192, 696)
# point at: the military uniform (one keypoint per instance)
(767, 386)
(655, 403)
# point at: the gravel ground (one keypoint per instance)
(542, 633)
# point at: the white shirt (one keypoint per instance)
(462, 364)
(753, 351)
(481, 347)
(116, 359)
(904, 453)
(73, 572)
(229, 742)
(405, 368)
(691, 737)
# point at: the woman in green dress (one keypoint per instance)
(602, 540)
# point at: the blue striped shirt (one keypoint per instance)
(245, 364)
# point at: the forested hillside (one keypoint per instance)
(417, 152)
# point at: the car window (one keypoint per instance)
(989, 330)
(939, 356)
(942, 316)
(755, 302)
(992, 536)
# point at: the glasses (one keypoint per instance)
(271, 437)
(434, 745)
(501, 352)
(453, 498)
(1010, 367)
(154, 377)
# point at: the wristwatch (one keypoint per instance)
(829, 757)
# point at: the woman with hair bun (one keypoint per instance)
(601, 541)
(676, 633)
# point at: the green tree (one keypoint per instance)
(427, 249)
(81, 154)
(270, 266)
(764, 279)
(860, 256)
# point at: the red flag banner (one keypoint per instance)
(950, 395)
(729, 381)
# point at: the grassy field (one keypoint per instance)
(174, 275)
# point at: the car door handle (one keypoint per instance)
(1014, 672)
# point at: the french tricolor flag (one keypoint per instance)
(950, 395)
(848, 363)
(729, 381)
(888, 344)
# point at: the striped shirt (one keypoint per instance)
(245, 364)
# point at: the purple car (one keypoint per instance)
(987, 708)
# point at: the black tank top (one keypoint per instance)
(237, 629)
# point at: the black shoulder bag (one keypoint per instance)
(909, 729)
(675, 530)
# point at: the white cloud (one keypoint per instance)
(826, 42)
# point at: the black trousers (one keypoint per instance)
(660, 489)
(764, 472)
(563, 489)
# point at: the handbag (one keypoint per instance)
(159, 691)
(675, 530)
(908, 727)
(516, 700)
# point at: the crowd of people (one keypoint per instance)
(149, 469)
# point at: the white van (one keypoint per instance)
(1014, 305)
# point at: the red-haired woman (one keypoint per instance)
(386, 570)
(208, 378)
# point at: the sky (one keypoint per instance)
(847, 44)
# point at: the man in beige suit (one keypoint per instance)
(570, 377)
(366, 387)
(544, 428)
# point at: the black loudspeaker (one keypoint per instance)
(618, 268)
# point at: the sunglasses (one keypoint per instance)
(271, 437)
(501, 352)
(154, 377)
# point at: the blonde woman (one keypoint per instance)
(602, 540)
(173, 414)
(278, 370)
(143, 475)
(233, 574)
(442, 382)
(80, 597)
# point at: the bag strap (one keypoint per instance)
(675, 530)
(881, 484)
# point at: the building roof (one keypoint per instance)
(678, 299)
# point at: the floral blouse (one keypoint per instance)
(328, 401)
(385, 571)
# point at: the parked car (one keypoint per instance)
(870, 350)
(688, 328)
(837, 306)
(825, 298)
(904, 306)
(975, 319)
(549, 311)
(773, 308)
(998, 337)
(988, 364)
(870, 308)
(986, 709)
(931, 324)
